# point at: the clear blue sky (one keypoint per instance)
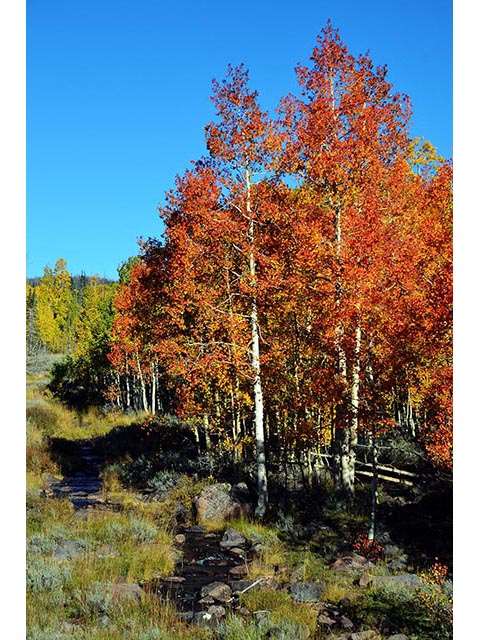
(118, 96)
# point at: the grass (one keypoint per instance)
(68, 595)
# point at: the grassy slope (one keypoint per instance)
(66, 598)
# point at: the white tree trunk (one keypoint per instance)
(262, 486)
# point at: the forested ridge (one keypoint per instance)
(299, 301)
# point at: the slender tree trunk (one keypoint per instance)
(349, 453)
(154, 388)
(374, 494)
(142, 385)
(262, 486)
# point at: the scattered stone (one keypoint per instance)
(258, 548)
(244, 612)
(173, 579)
(237, 552)
(346, 623)
(364, 580)
(69, 550)
(307, 591)
(202, 618)
(217, 611)
(238, 572)
(49, 481)
(220, 591)
(180, 538)
(187, 616)
(240, 585)
(369, 634)
(217, 504)
(232, 539)
(351, 564)
(325, 620)
(398, 636)
(207, 600)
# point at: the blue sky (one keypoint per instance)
(118, 96)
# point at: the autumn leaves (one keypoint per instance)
(286, 318)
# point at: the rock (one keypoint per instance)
(240, 585)
(307, 591)
(232, 539)
(244, 612)
(220, 591)
(402, 581)
(398, 636)
(351, 564)
(207, 600)
(364, 580)
(325, 620)
(370, 634)
(346, 623)
(217, 504)
(70, 549)
(173, 579)
(217, 611)
(258, 548)
(237, 552)
(238, 572)
(186, 615)
(180, 538)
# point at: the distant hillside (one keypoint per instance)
(78, 281)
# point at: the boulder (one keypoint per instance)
(238, 572)
(307, 591)
(70, 549)
(369, 634)
(217, 611)
(219, 591)
(232, 539)
(216, 503)
(398, 636)
(352, 564)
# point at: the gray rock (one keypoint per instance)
(324, 620)
(398, 636)
(369, 634)
(70, 549)
(351, 564)
(217, 503)
(220, 591)
(180, 538)
(240, 585)
(217, 611)
(232, 539)
(307, 591)
(238, 572)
